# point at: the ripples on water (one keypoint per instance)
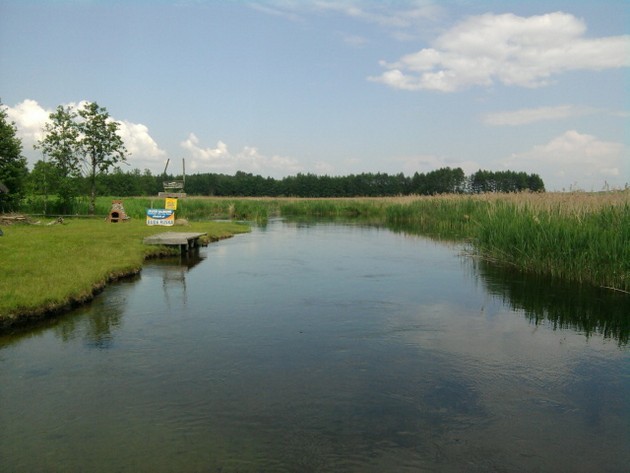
(322, 348)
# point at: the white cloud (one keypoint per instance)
(30, 118)
(144, 151)
(407, 15)
(508, 49)
(284, 10)
(249, 159)
(396, 17)
(532, 115)
(575, 160)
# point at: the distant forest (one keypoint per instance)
(241, 184)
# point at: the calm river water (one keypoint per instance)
(323, 347)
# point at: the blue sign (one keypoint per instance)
(160, 217)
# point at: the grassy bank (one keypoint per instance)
(47, 268)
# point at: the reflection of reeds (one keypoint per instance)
(559, 304)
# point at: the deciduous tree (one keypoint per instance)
(100, 145)
(13, 170)
(61, 145)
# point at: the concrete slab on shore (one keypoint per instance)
(174, 239)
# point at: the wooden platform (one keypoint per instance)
(185, 241)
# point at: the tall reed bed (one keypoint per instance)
(579, 236)
(445, 216)
(340, 208)
(588, 243)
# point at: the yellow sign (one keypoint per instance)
(170, 204)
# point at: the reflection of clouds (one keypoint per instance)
(492, 335)
(534, 384)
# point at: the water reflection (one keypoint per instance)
(173, 272)
(560, 304)
(304, 347)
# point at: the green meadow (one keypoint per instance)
(47, 268)
(581, 237)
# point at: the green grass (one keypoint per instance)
(190, 208)
(46, 268)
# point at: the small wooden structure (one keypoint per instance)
(174, 189)
(185, 240)
(117, 212)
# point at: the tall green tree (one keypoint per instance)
(60, 144)
(13, 170)
(99, 145)
(44, 179)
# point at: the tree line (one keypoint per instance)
(441, 181)
(242, 184)
(83, 153)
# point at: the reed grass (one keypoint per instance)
(591, 246)
(46, 268)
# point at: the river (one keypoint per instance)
(315, 347)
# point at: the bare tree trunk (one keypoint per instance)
(92, 204)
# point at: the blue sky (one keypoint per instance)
(277, 87)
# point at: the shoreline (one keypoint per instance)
(32, 317)
(51, 270)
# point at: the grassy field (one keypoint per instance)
(49, 267)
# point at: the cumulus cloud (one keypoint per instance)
(145, 152)
(30, 118)
(575, 160)
(507, 49)
(532, 115)
(221, 160)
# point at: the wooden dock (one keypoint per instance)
(185, 241)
